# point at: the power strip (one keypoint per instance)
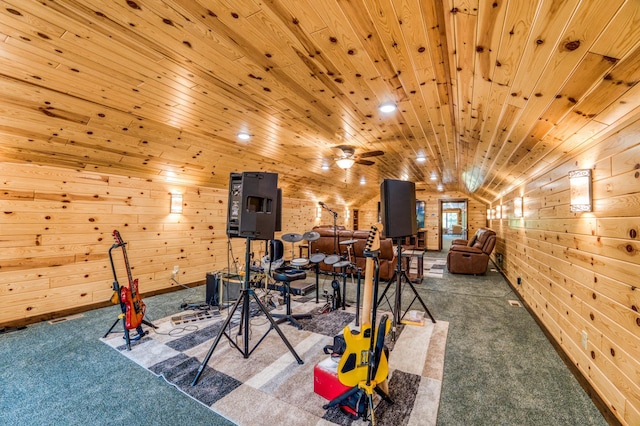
(195, 317)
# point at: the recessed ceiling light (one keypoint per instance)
(421, 158)
(440, 187)
(325, 166)
(434, 176)
(244, 136)
(387, 107)
(362, 181)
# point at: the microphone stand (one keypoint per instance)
(335, 231)
(335, 227)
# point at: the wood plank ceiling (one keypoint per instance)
(489, 91)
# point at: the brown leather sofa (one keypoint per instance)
(325, 244)
(472, 256)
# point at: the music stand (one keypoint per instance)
(399, 275)
(244, 296)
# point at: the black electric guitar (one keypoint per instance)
(358, 360)
(134, 307)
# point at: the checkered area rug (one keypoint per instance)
(434, 267)
(270, 387)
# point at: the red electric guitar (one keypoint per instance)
(129, 297)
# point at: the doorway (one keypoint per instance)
(453, 221)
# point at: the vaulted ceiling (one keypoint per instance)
(491, 92)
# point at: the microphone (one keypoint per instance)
(323, 205)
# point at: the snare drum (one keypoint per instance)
(317, 257)
(331, 259)
(300, 261)
(341, 264)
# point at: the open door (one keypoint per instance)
(453, 221)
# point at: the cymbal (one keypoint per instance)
(291, 238)
(311, 236)
(348, 242)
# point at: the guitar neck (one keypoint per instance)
(367, 298)
(121, 243)
(129, 276)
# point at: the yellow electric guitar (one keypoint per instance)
(353, 368)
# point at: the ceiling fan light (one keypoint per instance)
(387, 107)
(345, 163)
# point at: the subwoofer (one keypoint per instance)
(398, 208)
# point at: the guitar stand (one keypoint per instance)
(369, 385)
(127, 337)
(123, 308)
(244, 296)
(399, 275)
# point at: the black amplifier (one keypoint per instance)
(222, 287)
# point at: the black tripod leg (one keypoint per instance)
(337, 400)
(383, 395)
(415, 292)
(112, 327)
(148, 323)
(275, 326)
(215, 342)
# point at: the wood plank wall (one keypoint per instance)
(579, 271)
(476, 215)
(56, 230)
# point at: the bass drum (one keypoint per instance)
(317, 257)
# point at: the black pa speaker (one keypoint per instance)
(279, 211)
(253, 199)
(398, 208)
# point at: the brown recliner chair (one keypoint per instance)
(471, 257)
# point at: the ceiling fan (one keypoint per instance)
(349, 157)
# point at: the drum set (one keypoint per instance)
(342, 268)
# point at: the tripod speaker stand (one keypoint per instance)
(399, 275)
(245, 294)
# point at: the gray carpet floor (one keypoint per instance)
(499, 367)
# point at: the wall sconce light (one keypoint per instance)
(517, 207)
(580, 184)
(176, 203)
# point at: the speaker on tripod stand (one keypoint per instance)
(252, 213)
(398, 214)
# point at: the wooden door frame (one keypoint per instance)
(441, 201)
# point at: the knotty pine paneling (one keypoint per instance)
(56, 230)
(476, 214)
(580, 271)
